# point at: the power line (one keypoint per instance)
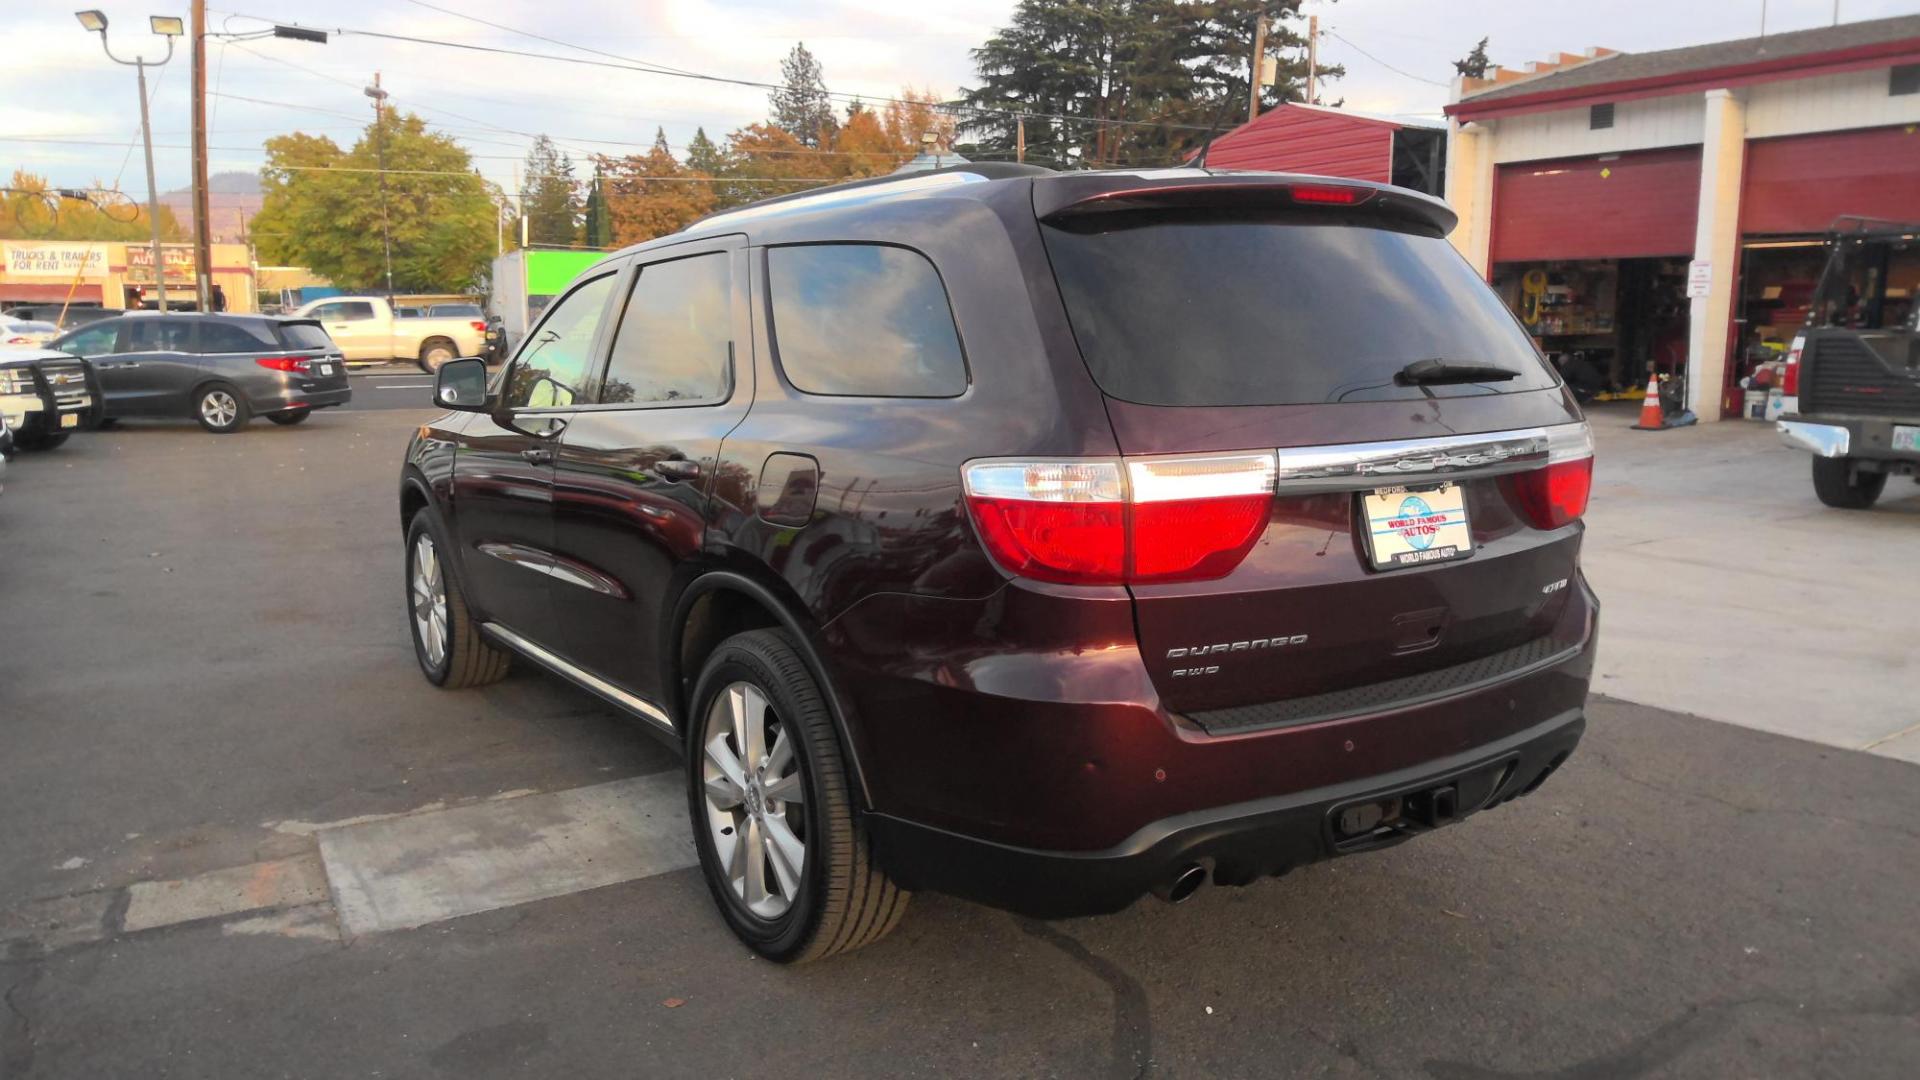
(648, 68)
(1384, 64)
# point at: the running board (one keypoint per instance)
(585, 680)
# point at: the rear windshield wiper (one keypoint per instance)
(1434, 371)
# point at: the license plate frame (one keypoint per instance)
(1416, 525)
(70, 420)
(1906, 438)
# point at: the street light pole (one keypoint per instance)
(379, 97)
(168, 27)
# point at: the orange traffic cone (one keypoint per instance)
(1650, 417)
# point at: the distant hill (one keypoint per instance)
(232, 200)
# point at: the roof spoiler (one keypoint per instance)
(1075, 195)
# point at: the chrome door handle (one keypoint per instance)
(538, 455)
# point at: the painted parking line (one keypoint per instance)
(405, 386)
(418, 869)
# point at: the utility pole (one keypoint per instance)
(379, 97)
(202, 217)
(1313, 58)
(1020, 139)
(1256, 70)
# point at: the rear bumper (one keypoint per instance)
(293, 397)
(1238, 843)
(1860, 438)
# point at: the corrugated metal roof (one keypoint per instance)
(1628, 67)
(1310, 139)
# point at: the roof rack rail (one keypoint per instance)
(986, 170)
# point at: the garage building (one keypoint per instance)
(1667, 210)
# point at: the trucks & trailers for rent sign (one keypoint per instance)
(60, 261)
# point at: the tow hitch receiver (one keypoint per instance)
(1384, 819)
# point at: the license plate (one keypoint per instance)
(70, 420)
(1906, 438)
(1411, 526)
(323, 369)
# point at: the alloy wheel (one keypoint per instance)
(752, 780)
(219, 408)
(428, 590)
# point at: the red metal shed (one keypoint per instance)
(1335, 142)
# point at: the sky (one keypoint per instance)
(72, 116)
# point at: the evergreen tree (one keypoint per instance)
(1161, 74)
(1475, 64)
(801, 107)
(704, 156)
(596, 223)
(552, 211)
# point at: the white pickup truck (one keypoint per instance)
(367, 331)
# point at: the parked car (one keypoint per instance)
(367, 330)
(218, 369)
(1853, 373)
(1046, 540)
(63, 316)
(45, 396)
(17, 332)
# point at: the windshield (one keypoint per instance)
(1191, 308)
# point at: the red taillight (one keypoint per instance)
(299, 365)
(1556, 494)
(1090, 523)
(479, 324)
(19, 341)
(1329, 194)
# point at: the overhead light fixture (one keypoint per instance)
(170, 25)
(95, 21)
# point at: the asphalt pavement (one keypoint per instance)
(390, 386)
(245, 838)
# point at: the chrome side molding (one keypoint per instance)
(1357, 466)
(580, 677)
(1824, 440)
(560, 569)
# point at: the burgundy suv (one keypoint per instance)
(1041, 539)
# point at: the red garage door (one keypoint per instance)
(1621, 207)
(1801, 183)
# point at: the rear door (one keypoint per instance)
(636, 468)
(154, 368)
(1275, 338)
(355, 327)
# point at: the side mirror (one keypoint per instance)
(461, 385)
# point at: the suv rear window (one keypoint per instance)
(234, 336)
(863, 320)
(304, 335)
(1192, 308)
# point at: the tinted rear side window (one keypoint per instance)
(1196, 309)
(222, 336)
(304, 336)
(158, 333)
(863, 320)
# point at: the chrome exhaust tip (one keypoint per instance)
(1183, 884)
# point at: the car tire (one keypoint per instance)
(40, 439)
(436, 352)
(1839, 485)
(220, 408)
(838, 899)
(290, 417)
(446, 638)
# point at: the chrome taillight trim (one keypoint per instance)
(1358, 466)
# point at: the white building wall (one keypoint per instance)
(1852, 99)
(1646, 124)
